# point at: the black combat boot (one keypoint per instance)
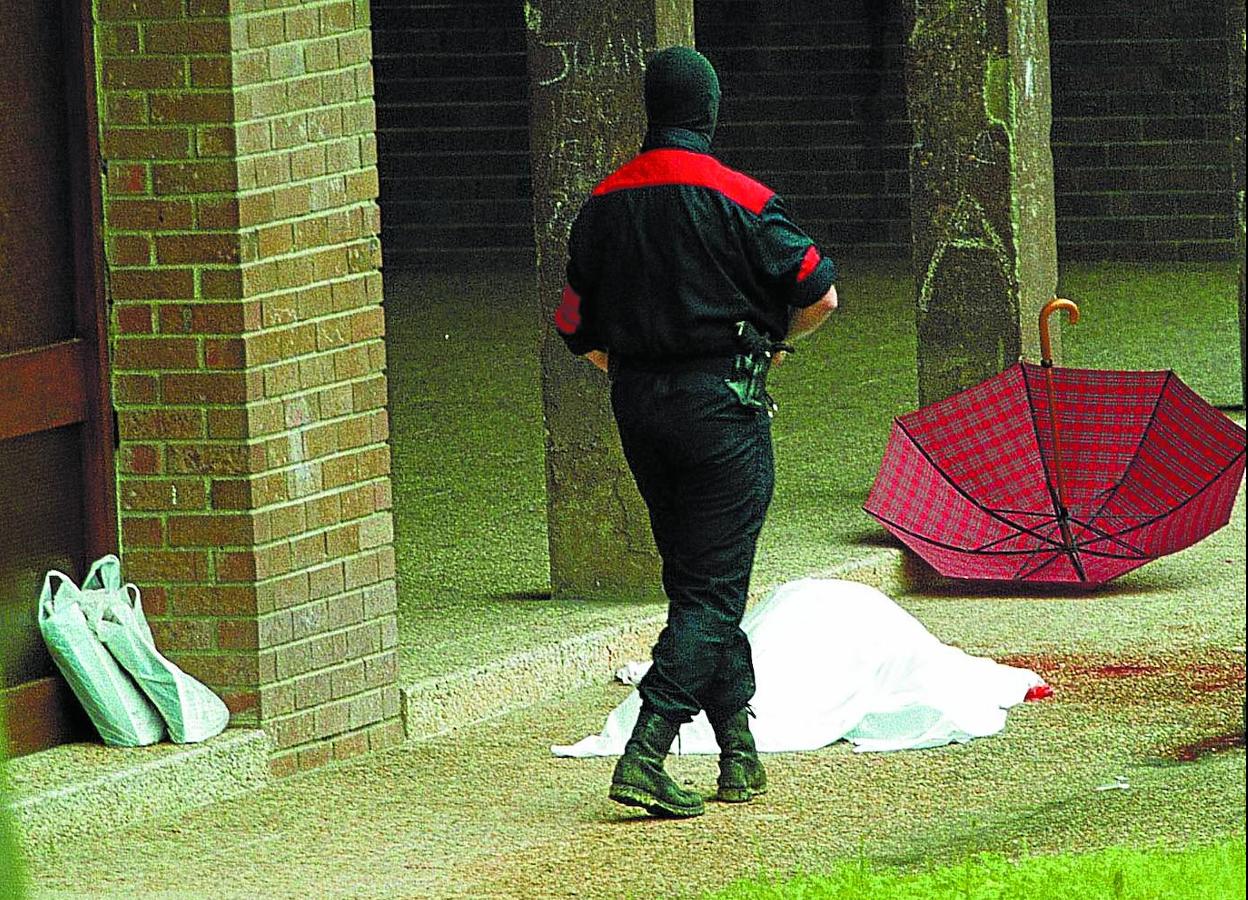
(741, 774)
(639, 779)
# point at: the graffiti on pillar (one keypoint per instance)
(968, 230)
(621, 54)
(532, 17)
(928, 20)
(582, 81)
(966, 298)
(622, 57)
(572, 161)
(998, 91)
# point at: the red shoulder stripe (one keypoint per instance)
(659, 167)
(809, 261)
(568, 315)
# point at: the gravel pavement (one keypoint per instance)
(1149, 681)
(1148, 674)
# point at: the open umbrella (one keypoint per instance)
(1045, 474)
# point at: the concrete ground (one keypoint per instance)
(1149, 685)
(466, 420)
(1148, 672)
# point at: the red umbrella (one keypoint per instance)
(1047, 474)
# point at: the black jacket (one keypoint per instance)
(673, 249)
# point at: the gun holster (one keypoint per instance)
(750, 366)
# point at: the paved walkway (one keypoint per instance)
(487, 813)
(1149, 680)
(1148, 671)
(466, 422)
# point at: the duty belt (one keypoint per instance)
(745, 373)
(711, 365)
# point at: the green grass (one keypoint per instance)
(1195, 873)
(11, 877)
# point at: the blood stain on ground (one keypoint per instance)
(1185, 678)
(1205, 746)
(1124, 671)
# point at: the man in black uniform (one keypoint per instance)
(683, 277)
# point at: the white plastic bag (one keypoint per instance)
(103, 586)
(122, 715)
(191, 711)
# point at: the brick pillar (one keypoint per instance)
(248, 354)
(1236, 43)
(981, 173)
(586, 62)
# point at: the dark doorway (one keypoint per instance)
(57, 484)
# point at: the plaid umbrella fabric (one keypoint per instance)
(979, 487)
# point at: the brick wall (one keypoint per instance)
(452, 112)
(814, 105)
(1141, 129)
(248, 356)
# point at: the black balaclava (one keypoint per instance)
(682, 99)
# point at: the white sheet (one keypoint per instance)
(837, 659)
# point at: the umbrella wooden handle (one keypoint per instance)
(1046, 343)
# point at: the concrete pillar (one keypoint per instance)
(1237, 42)
(981, 173)
(586, 60)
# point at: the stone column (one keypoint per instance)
(981, 174)
(1237, 44)
(586, 60)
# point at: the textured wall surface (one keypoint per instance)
(815, 106)
(982, 175)
(452, 111)
(1140, 129)
(248, 352)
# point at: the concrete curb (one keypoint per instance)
(80, 789)
(434, 706)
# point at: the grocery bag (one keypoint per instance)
(122, 715)
(191, 711)
(102, 586)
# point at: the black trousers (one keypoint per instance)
(704, 466)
